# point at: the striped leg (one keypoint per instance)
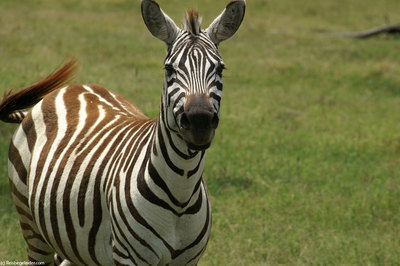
(66, 263)
(59, 261)
(37, 248)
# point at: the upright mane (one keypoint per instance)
(192, 22)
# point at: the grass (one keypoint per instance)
(305, 166)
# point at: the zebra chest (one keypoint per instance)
(160, 236)
(184, 238)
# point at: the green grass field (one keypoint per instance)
(305, 165)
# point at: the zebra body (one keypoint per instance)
(84, 159)
(96, 182)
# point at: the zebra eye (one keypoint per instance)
(169, 69)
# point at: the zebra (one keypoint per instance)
(95, 181)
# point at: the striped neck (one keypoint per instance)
(173, 167)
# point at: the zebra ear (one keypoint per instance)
(228, 22)
(158, 23)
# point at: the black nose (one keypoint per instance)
(198, 114)
(199, 120)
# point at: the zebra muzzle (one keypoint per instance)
(198, 122)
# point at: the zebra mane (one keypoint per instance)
(192, 22)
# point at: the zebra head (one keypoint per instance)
(193, 69)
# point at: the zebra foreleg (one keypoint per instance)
(66, 263)
(59, 261)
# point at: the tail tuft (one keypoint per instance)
(13, 103)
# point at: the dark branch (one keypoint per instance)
(387, 29)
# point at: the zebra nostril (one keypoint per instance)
(215, 121)
(185, 123)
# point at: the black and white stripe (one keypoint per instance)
(96, 182)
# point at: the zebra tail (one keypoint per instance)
(13, 103)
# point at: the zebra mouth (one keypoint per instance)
(198, 147)
(196, 141)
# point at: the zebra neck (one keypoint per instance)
(177, 172)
